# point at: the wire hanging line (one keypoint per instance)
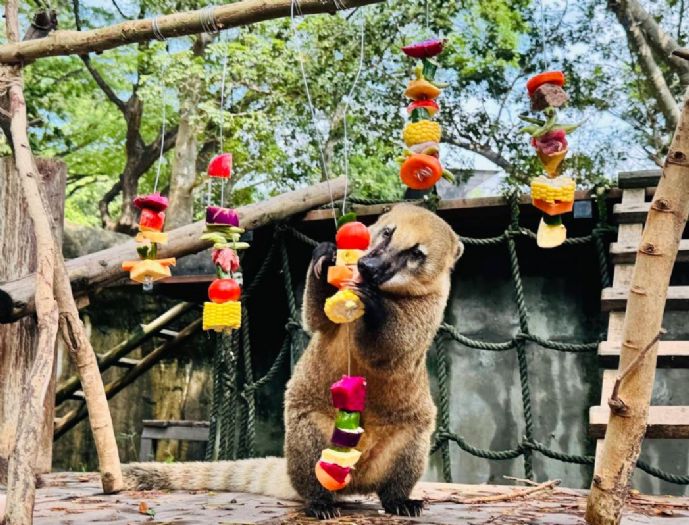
(207, 18)
(542, 35)
(347, 105)
(314, 120)
(222, 121)
(160, 36)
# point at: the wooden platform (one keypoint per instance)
(75, 499)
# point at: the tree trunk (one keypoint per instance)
(654, 262)
(18, 340)
(183, 176)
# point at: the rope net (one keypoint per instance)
(233, 410)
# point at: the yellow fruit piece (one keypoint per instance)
(550, 236)
(347, 257)
(551, 163)
(551, 190)
(148, 268)
(221, 317)
(421, 131)
(343, 307)
(421, 89)
(157, 237)
(344, 459)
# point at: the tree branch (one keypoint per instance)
(656, 81)
(178, 24)
(103, 85)
(483, 150)
(660, 40)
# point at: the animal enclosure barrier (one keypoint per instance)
(232, 432)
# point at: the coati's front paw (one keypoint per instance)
(321, 510)
(323, 257)
(404, 507)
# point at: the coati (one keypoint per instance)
(405, 282)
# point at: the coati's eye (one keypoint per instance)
(387, 232)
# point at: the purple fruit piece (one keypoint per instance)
(346, 438)
(218, 215)
(349, 393)
(154, 201)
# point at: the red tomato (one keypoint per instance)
(224, 290)
(352, 236)
(151, 220)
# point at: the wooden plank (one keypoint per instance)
(181, 433)
(638, 179)
(631, 213)
(163, 423)
(664, 422)
(671, 354)
(614, 299)
(443, 206)
(621, 252)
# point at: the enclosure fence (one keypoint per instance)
(233, 410)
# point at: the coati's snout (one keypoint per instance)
(412, 252)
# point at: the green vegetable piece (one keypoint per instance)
(344, 219)
(552, 220)
(214, 237)
(233, 245)
(223, 229)
(347, 420)
(142, 251)
(449, 176)
(429, 69)
(418, 114)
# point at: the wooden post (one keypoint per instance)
(642, 324)
(18, 340)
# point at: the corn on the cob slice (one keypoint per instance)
(222, 316)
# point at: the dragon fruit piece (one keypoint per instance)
(227, 259)
(551, 143)
(154, 201)
(335, 471)
(349, 393)
(425, 49)
(218, 215)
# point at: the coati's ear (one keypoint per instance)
(460, 249)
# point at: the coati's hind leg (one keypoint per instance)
(303, 445)
(404, 472)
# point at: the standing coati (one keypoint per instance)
(405, 282)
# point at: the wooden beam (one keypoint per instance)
(178, 24)
(664, 422)
(625, 253)
(116, 353)
(616, 298)
(73, 417)
(638, 179)
(103, 267)
(671, 354)
(642, 327)
(631, 213)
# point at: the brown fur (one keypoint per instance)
(400, 414)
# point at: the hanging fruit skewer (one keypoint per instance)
(550, 193)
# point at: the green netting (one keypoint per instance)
(233, 410)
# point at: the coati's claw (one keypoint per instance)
(409, 507)
(324, 253)
(321, 511)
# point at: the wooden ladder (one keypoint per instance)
(665, 422)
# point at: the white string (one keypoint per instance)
(162, 135)
(543, 44)
(222, 121)
(347, 103)
(295, 3)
